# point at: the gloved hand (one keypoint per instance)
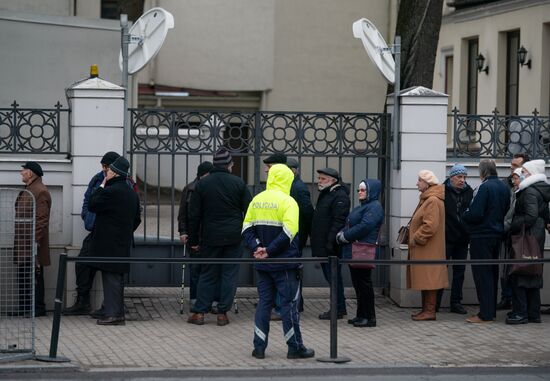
(341, 239)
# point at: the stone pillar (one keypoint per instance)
(423, 126)
(96, 126)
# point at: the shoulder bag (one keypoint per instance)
(526, 247)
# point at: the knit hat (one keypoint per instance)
(204, 168)
(34, 167)
(329, 172)
(458, 169)
(120, 166)
(222, 157)
(517, 172)
(109, 158)
(292, 163)
(535, 167)
(428, 176)
(276, 158)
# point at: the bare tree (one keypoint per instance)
(418, 24)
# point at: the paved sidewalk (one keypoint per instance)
(156, 336)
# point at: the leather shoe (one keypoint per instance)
(222, 320)
(504, 305)
(545, 312)
(458, 309)
(97, 314)
(516, 319)
(78, 308)
(326, 315)
(197, 318)
(365, 323)
(351, 321)
(300, 353)
(259, 353)
(477, 320)
(112, 321)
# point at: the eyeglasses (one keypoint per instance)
(361, 190)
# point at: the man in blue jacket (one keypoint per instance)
(84, 272)
(485, 219)
(270, 230)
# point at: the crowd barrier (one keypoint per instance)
(333, 262)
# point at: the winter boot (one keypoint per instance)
(80, 307)
(429, 306)
(423, 293)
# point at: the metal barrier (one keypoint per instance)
(17, 274)
(333, 262)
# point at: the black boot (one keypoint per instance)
(80, 307)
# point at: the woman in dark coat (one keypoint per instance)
(363, 225)
(531, 211)
(117, 217)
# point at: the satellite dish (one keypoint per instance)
(146, 37)
(376, 47)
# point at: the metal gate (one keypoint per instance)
(17, 259)
(168, 145)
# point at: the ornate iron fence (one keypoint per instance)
(26, 130)
(500, 136)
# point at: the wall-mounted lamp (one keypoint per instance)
(480, 60)
(522, 54)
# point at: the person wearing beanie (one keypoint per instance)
(85, 273)
(329, 218)
(117, 210)
(203, 170)
(27, 208)
(223, 159)
(530, 213)
(516, 163)
(427, 241)
(485, 222)
(215, 217)
(458, 195)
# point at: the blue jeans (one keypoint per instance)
(286, 284)
(339, 285)
(214, 279)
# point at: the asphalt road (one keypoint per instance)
(335, 373)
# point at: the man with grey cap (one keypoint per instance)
(31, 176)
(117, 211)
(329, 218)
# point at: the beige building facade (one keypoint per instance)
(477, 57)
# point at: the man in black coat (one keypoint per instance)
(117, 211)
(216, 214)
(458, 195)
(485, 220)
(328, 219)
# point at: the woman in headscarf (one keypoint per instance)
(427, 241)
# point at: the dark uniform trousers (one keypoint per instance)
(286, 284)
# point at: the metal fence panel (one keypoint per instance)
(17, 274)
(168, 145)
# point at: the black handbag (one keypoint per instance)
(525, 247)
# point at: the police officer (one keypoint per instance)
(270, 231)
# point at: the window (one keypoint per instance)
(512, 72)
(109, 9)
(471, 100)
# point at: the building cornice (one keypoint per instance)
(490, 9)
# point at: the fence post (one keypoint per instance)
(333, 264)
(57, 313)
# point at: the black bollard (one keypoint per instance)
(333, 263)
(52, 357)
